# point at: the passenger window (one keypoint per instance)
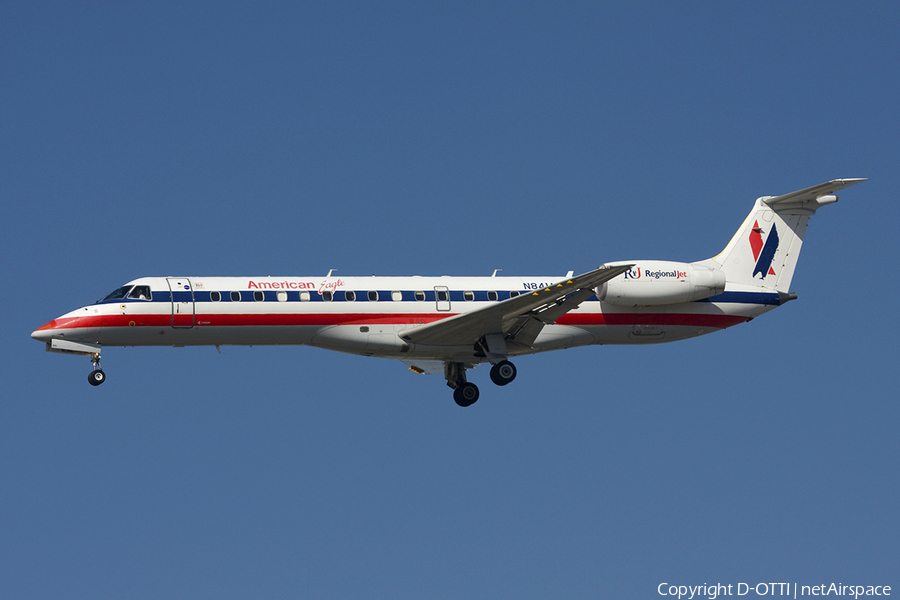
(396, 296)
(492, 296)
(282, 296)
(513, 294)
(259, 296)
(350, 296)
(327, 296)
(442, 295)
(420, 296)
(304, 296)
(373, 296)
(215, 296)
(235, 296)
(140, 292)
(469, 296)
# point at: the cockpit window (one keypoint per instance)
(117, 294)
(140, 292)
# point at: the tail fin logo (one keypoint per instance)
(763, 253)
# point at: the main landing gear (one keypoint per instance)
(503, 372)
(97, 376)
(466, 393)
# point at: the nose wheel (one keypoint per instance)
(97, 376)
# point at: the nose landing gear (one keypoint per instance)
(97, 376)
(58, 344)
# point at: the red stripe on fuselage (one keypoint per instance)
(326, 319)
(688, 319)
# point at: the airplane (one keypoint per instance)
(449, 325)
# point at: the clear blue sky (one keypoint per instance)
(445, 138)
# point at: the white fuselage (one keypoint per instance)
(364, 315)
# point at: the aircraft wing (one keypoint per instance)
(518, 319)
(812, 193)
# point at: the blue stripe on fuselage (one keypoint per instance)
(765, 298)
(294, 296)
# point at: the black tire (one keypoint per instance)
(503, 372)
(96, 377)
(466, 394)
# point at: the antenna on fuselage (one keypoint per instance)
(495, 272)
(330, 271)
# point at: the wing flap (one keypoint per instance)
(529, 325)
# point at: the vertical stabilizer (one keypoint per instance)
(764, 251)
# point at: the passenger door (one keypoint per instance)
(182, 294)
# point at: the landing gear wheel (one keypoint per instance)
(503, 372)
(96, 377)
(466, 394)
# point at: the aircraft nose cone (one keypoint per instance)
(44, 333)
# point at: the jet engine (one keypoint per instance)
(658, 282)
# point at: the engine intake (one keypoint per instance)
(658, 282)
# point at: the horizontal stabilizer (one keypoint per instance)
(812, 193)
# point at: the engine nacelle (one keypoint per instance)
(658, 282)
